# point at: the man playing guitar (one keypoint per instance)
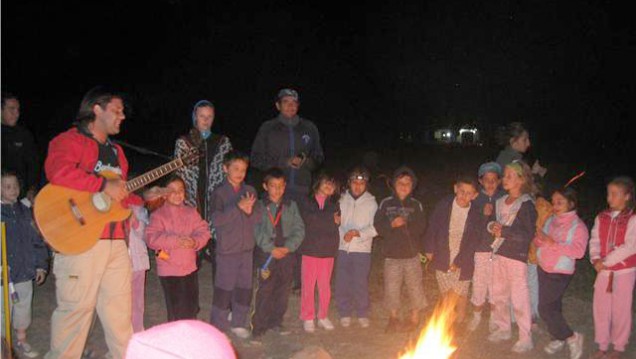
(99, 278)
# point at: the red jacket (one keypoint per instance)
(70, 162)
(612, 234)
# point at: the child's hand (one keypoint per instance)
(545, 239)
(488, 209)
(453, 268)
(279, 252)
(495, 228)
(337, 218)
(246, 204)
(349, 236)
(399, 221)
(187, 243)
(40, 276)
(429, 256)
(598, 265)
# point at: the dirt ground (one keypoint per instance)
(435, 170)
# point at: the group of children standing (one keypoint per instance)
(481, 235)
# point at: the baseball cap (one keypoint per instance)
(288, 93)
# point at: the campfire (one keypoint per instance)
(436, 339)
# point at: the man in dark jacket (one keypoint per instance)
(289, 142)
(19, 153)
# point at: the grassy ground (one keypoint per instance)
(436, 168)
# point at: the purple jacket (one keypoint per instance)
(570, 235)
(167, 225)
(234, 229)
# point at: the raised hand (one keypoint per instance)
(246, 204)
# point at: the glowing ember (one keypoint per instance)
(435, 341)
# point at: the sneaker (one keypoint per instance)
(393, 325)
(309, 326)
(25, 349)
(575, 344)
(522, 347)
(554, 346)
(599, 354)
(280, 330)
(364, 322)
(345, 322)
(474, 323)
(241, 332)
(326, 324)
(499, 336)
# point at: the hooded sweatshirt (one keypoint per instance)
(282, 138)
(358, 214)
(406, 241)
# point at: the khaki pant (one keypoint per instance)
(20, 311)
(99, 279)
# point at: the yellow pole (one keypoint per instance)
(5, 291)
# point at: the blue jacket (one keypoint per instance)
(436, 240)
(486, 238)
(322, 236)
(26, 251)
(234, 228)
(520, 233)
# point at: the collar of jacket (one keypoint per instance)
(290, 122)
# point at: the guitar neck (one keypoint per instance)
(153, 175)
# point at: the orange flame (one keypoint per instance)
(436, 340)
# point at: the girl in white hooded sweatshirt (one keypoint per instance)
(353, 263)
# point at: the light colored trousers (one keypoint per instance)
(96, 280)
(613, 311)
(20, 311)
(510, 285)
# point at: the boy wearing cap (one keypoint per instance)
(490, 180)
(358, 208)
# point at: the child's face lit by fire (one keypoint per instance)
(10, 189)
(617, 197)
(275, 189)
(512, 182)
(235, 172)
(357, 187)
(464, 194)
(176, 194)
(403, 187)
(326, 188)
(490, 181)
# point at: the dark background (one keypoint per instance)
(366, 72)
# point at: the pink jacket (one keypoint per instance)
(570, 235)
(167, 225)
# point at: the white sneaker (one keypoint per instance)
(364, 322)
(25, 349)
(309, 326)
(241, 332)
(576, 346)
(499, 336)
(326, 324)
(522, 347)
(345, 321)
(474, 322)
(554, 346)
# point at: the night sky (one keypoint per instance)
(365, 72)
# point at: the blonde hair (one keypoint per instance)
(525, 173)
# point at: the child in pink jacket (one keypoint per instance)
(176, 232)
(560, 242)
(613, 254)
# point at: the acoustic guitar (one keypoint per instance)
(72, 221)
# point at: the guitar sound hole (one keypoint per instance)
(101, 202)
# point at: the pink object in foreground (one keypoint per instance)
(183, 339)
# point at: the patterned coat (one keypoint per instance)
(212, 150)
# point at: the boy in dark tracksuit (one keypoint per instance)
(401, 224)
(235, 214)
(278, 235)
